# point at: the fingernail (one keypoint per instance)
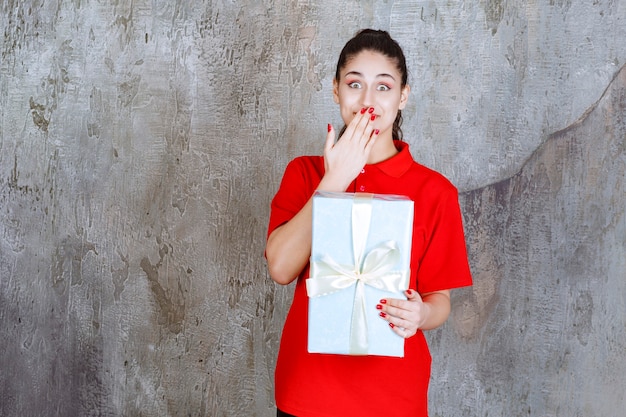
(376, 131)
(409, 292)
(371, 110)
(383, 301)
(373, 117)
(391, 325)
(363, 110)
(383, 314)
(329, 127)
(379, 307)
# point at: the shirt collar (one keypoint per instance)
(399, 164)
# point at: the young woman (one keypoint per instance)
(371, 89)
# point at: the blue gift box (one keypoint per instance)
(361, 253)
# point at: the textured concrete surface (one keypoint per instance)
(543, 331)
(141, 143)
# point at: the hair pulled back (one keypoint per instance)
(376, 41)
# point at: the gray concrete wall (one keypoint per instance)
(141, 143)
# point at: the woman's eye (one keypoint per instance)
(383, 87)
(354, 84)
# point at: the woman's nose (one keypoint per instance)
(367, 98)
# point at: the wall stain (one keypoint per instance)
(38, 112)
(128, 89)
(67, 261)
(564, 4)
(124, 23)
(494, 11)
(581, 317)
(53, 87)
(119, 276)
(236, 287)
(96, 113)
(170, 301)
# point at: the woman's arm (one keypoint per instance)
(438, 305)
(288, 247)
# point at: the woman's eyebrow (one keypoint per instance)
(358, 74)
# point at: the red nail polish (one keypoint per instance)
(391, 325)
(376, 131)
(383, 301)
(329, 127)
(371, 110)
(363, 110)
(379, 307)
(409, 292)
(382, 314)
(373, 117)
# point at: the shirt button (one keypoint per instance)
(363, 171)
(362, 188)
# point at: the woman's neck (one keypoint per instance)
(383, 149)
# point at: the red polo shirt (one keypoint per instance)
(320, 385)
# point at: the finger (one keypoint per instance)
(372, 140)
(401, 313)
(365, 127)
(395, 321)
(350, 127)
(399, 323)
(402, 332)
(412, 295)
(397, 312)
(330, 139)
(358, 127)
(394, 303)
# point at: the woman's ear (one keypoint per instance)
(335, 91)
(404, 96)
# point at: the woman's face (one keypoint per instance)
(370, 79)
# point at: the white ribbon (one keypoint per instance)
(328, 276)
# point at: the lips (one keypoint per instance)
(375, 115)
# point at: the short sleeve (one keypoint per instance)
(301, 178)
(444, 263)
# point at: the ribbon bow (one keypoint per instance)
(328, 276)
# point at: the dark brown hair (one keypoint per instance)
(376, 41)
